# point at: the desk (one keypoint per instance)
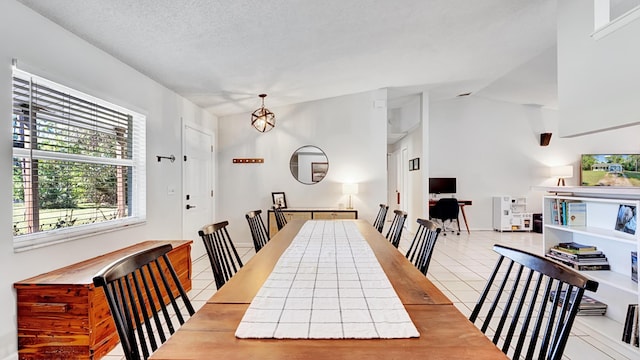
(444, 332)
(462, 203)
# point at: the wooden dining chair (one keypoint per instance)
(528, 304)
(423, 243)
(395, 231)
(223, 256)
(281, 220)
(258, 230)
(381, 217)
(139, 289)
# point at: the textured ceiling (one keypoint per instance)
(221, 54)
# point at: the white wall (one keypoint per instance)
(416, 206)
(351, 130)
(49, 51)
(493, 148)
(597, 78)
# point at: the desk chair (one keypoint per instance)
(446, 209)
(395, 231)
(223, 256)
(132, 286)
(528, 297)
(281, 220)
(258, 230)
(381, 217)
(423, 243)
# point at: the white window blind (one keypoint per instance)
(78, 163)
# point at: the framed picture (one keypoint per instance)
(626, 219)
(414, 164)
(318, 171)
(279, 199)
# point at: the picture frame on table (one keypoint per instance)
(279, 199)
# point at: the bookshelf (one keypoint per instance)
(616, 288)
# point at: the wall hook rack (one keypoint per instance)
(172, 158)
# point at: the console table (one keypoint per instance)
(61, 315)
(309, 214)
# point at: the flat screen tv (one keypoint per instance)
(442, 185)
(610, 170)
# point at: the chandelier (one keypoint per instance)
(263, 119)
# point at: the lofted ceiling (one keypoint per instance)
(221, 54)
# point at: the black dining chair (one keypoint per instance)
(395, 231)
(446, 209)
(381, 217)
(527, 314)
(258, 230)
(281, 220)
(139, 289)
(423, 243)
(223, 256)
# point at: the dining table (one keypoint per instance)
(444, 332)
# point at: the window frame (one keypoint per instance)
(137, 164)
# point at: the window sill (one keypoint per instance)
(53, 237)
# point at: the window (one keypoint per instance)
(611, 15)
(78, 163)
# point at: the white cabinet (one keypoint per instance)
(510, 214)
(616, 288)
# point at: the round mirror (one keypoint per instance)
(309, 164)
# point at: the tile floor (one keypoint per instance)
(459, 267)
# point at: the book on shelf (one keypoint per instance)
(581, 264)
(572, 255)
(630, 329)
(588, 305)
(554, 212)
(634, 266)
(576, 214)
(577, 248)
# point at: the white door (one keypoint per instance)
(403, 180)
(198, 184)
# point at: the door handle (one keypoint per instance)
(190, 206)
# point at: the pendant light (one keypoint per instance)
(263, 119)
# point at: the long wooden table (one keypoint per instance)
(444, 332)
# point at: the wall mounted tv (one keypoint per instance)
(610, 170)
(442, 185)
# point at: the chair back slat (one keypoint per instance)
(259, 232)
(421, 248)
(281, 220)
(525, 320)
(395, 231)
(381, 217)
(223, 256)
(139, 288)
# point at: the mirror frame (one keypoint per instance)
(318, 169)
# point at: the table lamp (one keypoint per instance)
(561, 172)
(350, 189)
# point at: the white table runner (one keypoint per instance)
(327, 285)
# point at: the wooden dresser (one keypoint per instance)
(308, 214)
(61, 315)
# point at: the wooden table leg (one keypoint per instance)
(464, 216)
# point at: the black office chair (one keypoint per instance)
(395, 231)
(281, 220)
(258, 230)
(139, 289)
(381, 217)
(446, 209)
(527, 302)
(223, 256)
(423, 243)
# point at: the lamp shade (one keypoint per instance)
(561, 171)
(349, 189)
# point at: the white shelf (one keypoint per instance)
(595, 231)
(616, 288)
